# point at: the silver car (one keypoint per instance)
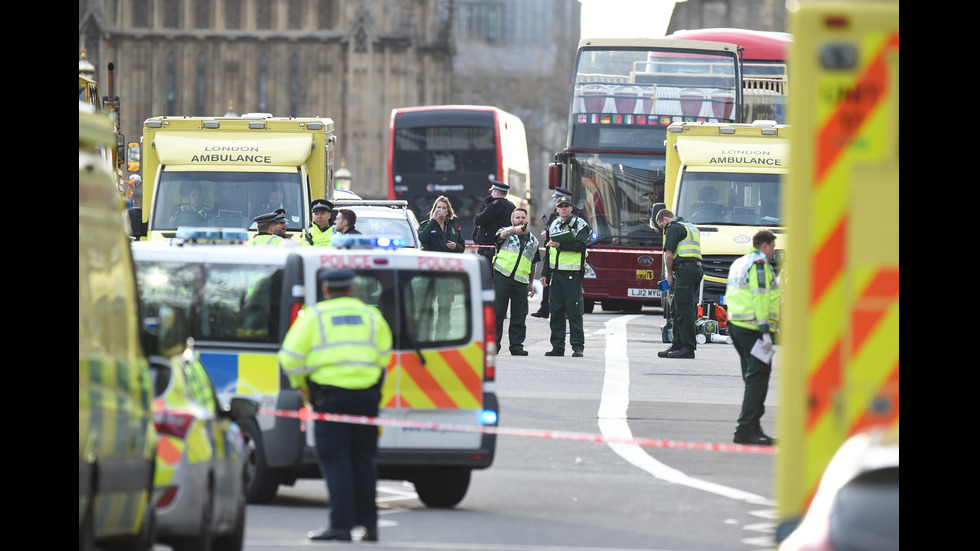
(381, 218)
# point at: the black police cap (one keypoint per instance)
(267, 217)
(321, 204)
(338, 278)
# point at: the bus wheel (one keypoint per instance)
(443, 488)
(589, 306)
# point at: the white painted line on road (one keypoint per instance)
(613, 424)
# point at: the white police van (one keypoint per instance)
(243, 299)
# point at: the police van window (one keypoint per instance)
(167, 283)
(436, 307)
(241, 302)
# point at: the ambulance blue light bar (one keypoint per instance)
(212, 235)
(344, 241)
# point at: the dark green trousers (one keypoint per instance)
(565, 301)
(755, 375)
(506, 292)
(684, 308)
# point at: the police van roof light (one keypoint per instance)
(212, 235)
(367, 242)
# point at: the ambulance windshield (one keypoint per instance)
(227, 199)
(743, 199)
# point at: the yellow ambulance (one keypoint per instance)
(222, 172)
(727, 179)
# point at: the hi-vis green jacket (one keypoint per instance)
(313, 236)
(752, 295)
(340, 342)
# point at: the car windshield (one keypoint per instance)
(382, 224)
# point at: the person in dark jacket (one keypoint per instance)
(495, 215)
(442, 232)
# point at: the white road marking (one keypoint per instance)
(612, 418)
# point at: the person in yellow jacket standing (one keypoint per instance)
(752, 298)
(336, 355)
(320, 233)
(517, 251)
(567, 240)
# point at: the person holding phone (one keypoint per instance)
(442, 232)
(517, 252)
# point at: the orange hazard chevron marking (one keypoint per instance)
(828, 262)
(822, 385)
(870, 417)
(882, 292)
(448, 381)
(867, 93)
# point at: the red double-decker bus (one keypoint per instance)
(456, 151)
(625, 93)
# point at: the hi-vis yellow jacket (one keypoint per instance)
(514, 259)
(313, 236)
(752, 295)
(340, 342)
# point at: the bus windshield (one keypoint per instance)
(617, 193)
(749, 199)
(227, 199)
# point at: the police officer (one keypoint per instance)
(567, 238)
(335, 355)
(280, 227)
(320, 232)
(265, 224)
(752, 298)
(517, 251)
(495, 215)
(683, 271)
(545, 309)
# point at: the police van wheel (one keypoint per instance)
(443, 488)
(263, 483)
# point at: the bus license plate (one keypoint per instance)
(644, 293)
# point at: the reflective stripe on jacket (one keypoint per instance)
(340, 342)
(266, 239)
(565, 260)
(511, 255)
(690, 245)
(752, 295)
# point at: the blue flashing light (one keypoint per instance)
(489, 417)
(345, 241)
(212, 235)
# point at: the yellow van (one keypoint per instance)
(116, 437)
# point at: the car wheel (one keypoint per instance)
(443, 488)
(235, 540)
(263, 483)
(589, 306)
(203, 540)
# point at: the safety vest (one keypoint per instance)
(340, 342)
(690, 246)
(565, 260)
(265, 239)
(752, 295)
(313, 236)
(514, 260)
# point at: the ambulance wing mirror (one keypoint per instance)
(133, 156)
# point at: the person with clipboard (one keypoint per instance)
(565, 248)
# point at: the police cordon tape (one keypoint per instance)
(306, 414)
